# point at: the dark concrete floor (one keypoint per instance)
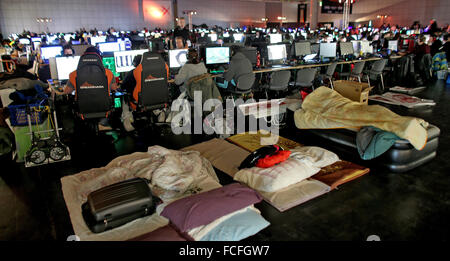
(409, 206)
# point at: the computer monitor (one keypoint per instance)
(66, 65)
(356, 47)
(251, 54)
(109, 47)
(238, 37)
(25, 41)
(302, 48)
(315, 48)
(109, 63)
(80, 48)
(276, 52)
(366, 47)
(97, 39)
(217, 55)
(393, 45)
(213, 37)
(68, 36)
(327, 50)
(51, 51)
(275, 38)
(124, 60)
(125, 44)
(346, 48)
(177, 58)
(36, 45)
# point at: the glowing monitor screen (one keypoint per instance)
(51, 51)
(177, 58)
(124, 60)
(217, 55)
(277, 52)
(302, 48)
(392, 45)
(327, 49)
(97, 39)
(109, 47)
(275, 38)
(24, 41)
(238, 37)
(213, 37)
(366, 47)
(356, 47)
(66, 65)
(346, 48)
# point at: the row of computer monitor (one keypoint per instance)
(123, 60)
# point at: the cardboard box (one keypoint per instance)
(354, 91)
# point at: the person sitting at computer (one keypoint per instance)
(239, 65)
(193, 67)
(68, 50)
(421, 49)
(71, 84)
(180, 43)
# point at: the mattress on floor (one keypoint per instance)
(227, 157)
(76, 187)
(401, 157)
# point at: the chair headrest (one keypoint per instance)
(90, 59)
(149, 58)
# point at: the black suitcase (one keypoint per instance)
(118, 204)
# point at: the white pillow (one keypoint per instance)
(317, 156)
(303, 163)
(277, 177)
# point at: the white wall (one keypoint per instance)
(70, 15)
(401, 12)
(222, 12)
(290, 11)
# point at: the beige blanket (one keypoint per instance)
(173, 175)
(327, 109)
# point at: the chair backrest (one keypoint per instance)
(378, 66)
(154, 88)
(358, 68)
(306, 76)
(330, 69)
(245, 81)
(280, 79)
(92, 93)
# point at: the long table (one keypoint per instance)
(301, 66)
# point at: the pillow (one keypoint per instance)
(201, 209)
(303, 163)
(317, 156)
(165, 233)
(233, 227)
(277, 177)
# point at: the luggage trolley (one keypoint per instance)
(45, 150)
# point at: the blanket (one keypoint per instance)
(173, 175)
(327, 109)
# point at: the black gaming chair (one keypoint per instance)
(92, 94)
(93, 99)
(154, 92)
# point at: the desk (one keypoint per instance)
(301, 66)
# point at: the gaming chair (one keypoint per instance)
(92, 93)
(152, 89)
